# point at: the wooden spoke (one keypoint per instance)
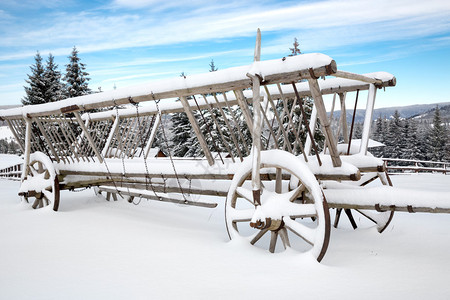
(300, 230)
(302, 210)
(258, 236)
(380, 219)
(278, 210)
(273, 241)
(294, 193)
(284, 237)
(35, 203)
(245, 193)
(241, 215)
(46, 185)
(278, 184)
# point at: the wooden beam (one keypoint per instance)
(322, 113)
(196, 128)
(88, 136)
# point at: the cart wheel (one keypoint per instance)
(41, 182)
(381, 219)
(299, 217)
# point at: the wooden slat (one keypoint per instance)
(322, 113)
(196, 128)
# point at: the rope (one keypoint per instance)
(208, 130)
(103, 158)
(168, 150)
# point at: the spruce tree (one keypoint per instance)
(295, 50)
(437, 138)
(378, 134)
(76, 77)
(181, 133)
(212, 67)
(36, 91)
(393, 141)
(52, 78)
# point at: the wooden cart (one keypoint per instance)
(273, 184)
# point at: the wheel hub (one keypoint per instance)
(270, 224)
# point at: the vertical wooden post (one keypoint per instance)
(27, 153)
(343, 118)
(312, 127)
(257, 124)
(152, 135)
(322, 113)
(368, 119)
(198, 133)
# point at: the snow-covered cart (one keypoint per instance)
(274, 185)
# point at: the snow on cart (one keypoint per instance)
(275, 184)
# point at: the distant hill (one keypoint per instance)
(422, 111)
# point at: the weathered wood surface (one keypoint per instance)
(274, 71)
(146, 195)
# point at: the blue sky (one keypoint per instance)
(126, 42)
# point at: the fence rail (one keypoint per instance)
(12, 172)
(395, 165)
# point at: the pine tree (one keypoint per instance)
(76, 78)
(295, 50)
(212, 67)
(393, 141)
(53, 85)
(35, 93)
(181, 133)
(378, 135)
(437, 138)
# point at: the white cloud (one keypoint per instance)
(331, 23)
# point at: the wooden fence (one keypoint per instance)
(13, 172)
(396, 165)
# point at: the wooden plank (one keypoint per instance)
(322, 113)
(196, 128)
(16, 136)
(211, 85)
(46, 137)
(158, 198)
(88, 136)
(111, 134)
(343, 118)
(152, 135)
(27, 153)
(368, 119)
(390, 208)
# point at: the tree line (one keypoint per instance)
(411, 138)
(47, 84)
(225, 127)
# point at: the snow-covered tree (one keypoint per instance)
(438, 137)
(181, 134)
(295, 50)
(394, 137)
(292, 104)
(76, 77)
(35, 92)
(53, 86)
(212, 66)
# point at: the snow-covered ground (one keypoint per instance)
(5, 133)
(94, 249)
